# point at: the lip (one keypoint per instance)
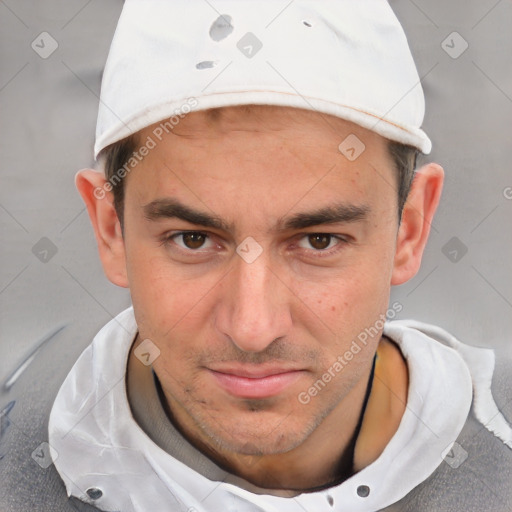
(255, 382)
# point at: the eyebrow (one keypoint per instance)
(172, 208)
(168, 208)
(340, 213)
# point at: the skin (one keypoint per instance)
(298, 305)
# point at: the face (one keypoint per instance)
(256, 253)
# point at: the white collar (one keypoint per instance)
(99, 445)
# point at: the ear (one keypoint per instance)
(417, 217)
(97, 196)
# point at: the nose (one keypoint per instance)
(254, 308)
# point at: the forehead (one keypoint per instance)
(261, 152)
(259, 118)
(308, 133)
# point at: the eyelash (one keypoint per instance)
(319, 253)
(168, 238)
(342, 241)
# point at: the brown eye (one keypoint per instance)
(193, 240)
(319, 241)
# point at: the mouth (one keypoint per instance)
(255, 382)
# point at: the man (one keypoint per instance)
(257, 197)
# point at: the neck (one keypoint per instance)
(386, 404)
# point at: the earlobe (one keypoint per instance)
(417, 217)
(98, 198)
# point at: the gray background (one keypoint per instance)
(48, 108)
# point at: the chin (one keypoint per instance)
(260, 433)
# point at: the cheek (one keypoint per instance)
(159, 299)
(347, 301)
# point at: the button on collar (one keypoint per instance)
(363, 491)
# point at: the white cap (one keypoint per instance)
(347, 58)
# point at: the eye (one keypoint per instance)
(191, 240)
(319, 241)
